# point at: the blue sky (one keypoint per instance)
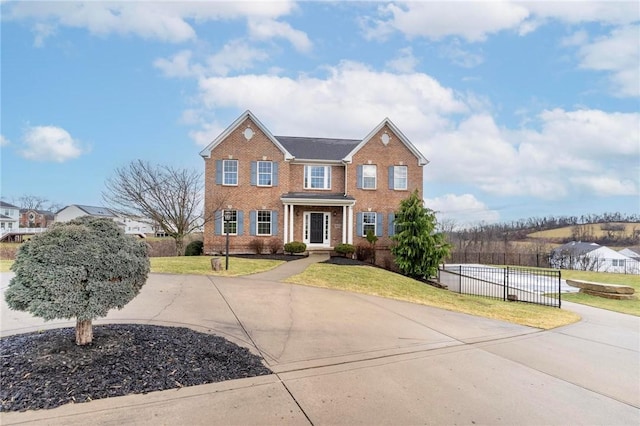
(523, 108)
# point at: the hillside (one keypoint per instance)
(610, 233)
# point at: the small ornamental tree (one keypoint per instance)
(417, 248)
(80, 269)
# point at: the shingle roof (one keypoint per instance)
(7, 205)
(304, 148)
(318, 196)
(96, 211)
(576, 247)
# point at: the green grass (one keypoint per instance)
(201, 265)
(378, 282)
(198, 265)
(631, 307)
(5, 265)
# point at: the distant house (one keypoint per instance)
(9, 217)
(592, 257)
(130, 225)
(32, 218)
(633, 254)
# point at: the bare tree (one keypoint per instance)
(169, 196)
(32, 202)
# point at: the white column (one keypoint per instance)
(350, 225)
(286, 224)
(344, 224)
(291, 222)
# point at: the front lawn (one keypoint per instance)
(379, 282)
(201, 265)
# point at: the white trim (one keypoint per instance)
(285, 236)
(350, 225)
(326, 229)
(422, 161)
(206, 153)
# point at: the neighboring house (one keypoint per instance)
(633, 254)
(130, 225)
(32, 218)
(76, 210)
(137, 225)
(592, 257)
(9, 217)
(321, 191)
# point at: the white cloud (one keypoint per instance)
(404, 63)
(4, 141)
(618, 53)
(160, 20)
(266, 29)
(575, 12)
(179, 65)
(607, 185)
(50, 143)
(460, 56)
(463, 209)
(235, 56)
(473, 21)
(566, 154)
(341, 104)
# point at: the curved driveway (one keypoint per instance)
(344, 358)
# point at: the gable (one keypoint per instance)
(248, 133)
(422, 161)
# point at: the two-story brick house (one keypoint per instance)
(319, 191)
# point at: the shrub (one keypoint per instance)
(364, 252)
(345, 249)
(194, 248)
(257, 245)
(295, 247)
(275, 245)
(79, 269)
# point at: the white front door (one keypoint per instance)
(316, 228)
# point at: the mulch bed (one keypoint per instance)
(47, 369)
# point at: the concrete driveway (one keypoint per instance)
(343, 358)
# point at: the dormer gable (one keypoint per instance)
(248, 134)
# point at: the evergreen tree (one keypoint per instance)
(80, 269)
(418, 248)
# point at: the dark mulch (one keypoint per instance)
(339, 260)
(47, 369)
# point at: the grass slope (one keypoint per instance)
(201, 265)
(631, 307)
(379, 282)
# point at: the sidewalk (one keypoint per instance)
(345, 358)
(289, 269)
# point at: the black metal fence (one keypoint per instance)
(536, 260)
(539, 286)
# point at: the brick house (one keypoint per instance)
(33, 218)
(320, 191)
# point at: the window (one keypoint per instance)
(399, 177)
(264, 222)
(368, 223)
(232, 223)
(264, 173)
(617, 262)
(317, 177)
(230, 172)
(369, 176)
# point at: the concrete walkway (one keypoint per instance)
(345, 358)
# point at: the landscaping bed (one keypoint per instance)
(47, 369)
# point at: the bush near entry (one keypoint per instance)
(295, 247)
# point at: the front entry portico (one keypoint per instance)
(311, 217)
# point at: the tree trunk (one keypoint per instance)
(179, 245)
(84, 332)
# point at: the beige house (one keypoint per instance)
(320, 191)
